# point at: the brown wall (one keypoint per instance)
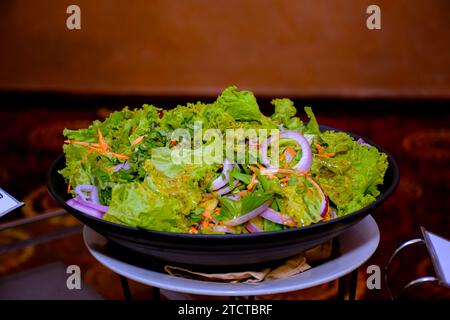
(297, 48)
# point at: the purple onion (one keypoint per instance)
(82, 190)
(224, 177)
(83, 208)
(305, 162)
(122, 166)
(223, 229)
(248, 216)
(277, 217)
(363, 143)
(92, 205)
(227, 189)
(234, 197)
(253, 228)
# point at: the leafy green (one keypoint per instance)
(271, 226)
(352, 176)
(229, 209)
(312, 127)
(241, 105)
(136, 205)
(285, 114)
(302, 202)
(162, 160)
(253, 200)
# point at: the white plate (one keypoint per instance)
(357, 245)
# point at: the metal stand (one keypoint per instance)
(125, 288)
(352, 281)
(413, 283)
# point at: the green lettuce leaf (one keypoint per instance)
(352, 176)
(162, 160)
(301, 201)
(137, 205)
(241, 105)
(313, 126)
(285, 114)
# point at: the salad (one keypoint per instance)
(220, 167)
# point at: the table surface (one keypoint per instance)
(356, 246)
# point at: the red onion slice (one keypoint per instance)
(253, 228)
(223, 229)
(82, 190)
(85, 209)
(324, 198)
(224, 177)
(227, 189)
(248, 216)
(305, 162)
(92, 205)
(279, 218)
(363, 143)
(234, 197)
(122, 166)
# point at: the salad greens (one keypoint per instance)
(127, 160)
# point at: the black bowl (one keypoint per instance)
(221, 250)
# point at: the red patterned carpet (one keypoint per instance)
(417, 134)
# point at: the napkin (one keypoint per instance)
(288, 268)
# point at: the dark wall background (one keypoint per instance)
(196, 47)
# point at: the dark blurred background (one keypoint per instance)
(390, 85)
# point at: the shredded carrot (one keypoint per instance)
(329, 154)
(81, 143)
(320, 149)
(276, 171)
(291, 152)
(252, 168)
(207, 214)
(173, 142)
(282, 156)
(205, 224)
(102, 142)
(260, 166)
(138, 140)
(242, 193)
(193, 229)
(70, 185)
(98, 147)
(321, 153)
(252, 182)
(284, 180)
(117, 155)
